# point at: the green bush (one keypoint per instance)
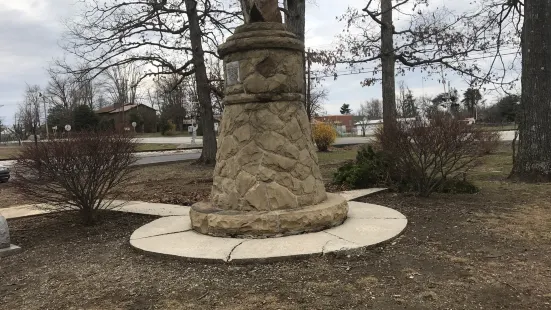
(370, 169)
(84, 118)
(168, 128)
(457, 186)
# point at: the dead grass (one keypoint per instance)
(144, 147)
(490, 250)
(183, 183)
(8, 152)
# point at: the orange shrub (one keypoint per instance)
(324, 135)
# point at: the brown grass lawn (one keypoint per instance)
(9, 152)
(490, 250)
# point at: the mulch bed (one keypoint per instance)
(450, 257)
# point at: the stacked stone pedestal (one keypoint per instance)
(6, 248)
(267, 181)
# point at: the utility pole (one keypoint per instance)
(309, 87)
(388, 62)
(45, 117)
(1, 126)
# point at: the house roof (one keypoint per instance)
(124, 108)
(105, 109)
(111, 109)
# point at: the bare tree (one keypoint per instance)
(533, 160)
(65, 92)
(29, 111)
(18, 129)
(431, 39)
(362, 117)
(172, 36)
(216, 78)
(208, 154)
(70, 173)
(121, 84)
(374, 109)
(315, 101)
(406, 101)
(59, 89)
(173, 98)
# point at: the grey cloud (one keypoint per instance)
(27, 45)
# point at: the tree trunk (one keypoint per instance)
(208, 153)
(88, 214)
(533, 160)
(295, 21)
(388, 68)
(308, 85)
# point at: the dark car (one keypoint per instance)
(4, 174)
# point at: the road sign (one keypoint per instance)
(67, 127)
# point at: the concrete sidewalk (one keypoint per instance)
(367, 225)
(140, 207)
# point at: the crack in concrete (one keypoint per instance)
(228, 258)
(340, 238)
(323, 248)
(378, 218)
(165, 234)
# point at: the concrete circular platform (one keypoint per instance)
(367, 225)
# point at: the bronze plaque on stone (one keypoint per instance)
(232, 73)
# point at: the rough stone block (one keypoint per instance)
(10, 250)
(210, 220)
(4, 233)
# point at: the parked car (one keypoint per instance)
(4, 174)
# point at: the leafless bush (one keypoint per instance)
(82, 172)
(429, 152)
(490, 142)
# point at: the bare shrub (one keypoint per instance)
(490, 142)
(428, 153)
(81, 172)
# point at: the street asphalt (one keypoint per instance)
(167, 158)
(151, 158)
(505, 136)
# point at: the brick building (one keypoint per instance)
(121, 117)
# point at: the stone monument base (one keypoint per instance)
(11, 250)
(209, 220)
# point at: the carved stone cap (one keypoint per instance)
(260, 36)
(260, 26)
(261, 11)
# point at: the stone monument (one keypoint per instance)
(6, 248)
(266, 182)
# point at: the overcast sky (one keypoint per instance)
(30, 31)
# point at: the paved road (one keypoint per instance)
(149, 158)
(173, 140)
(352, 140)
(173, 156)
(199, 141)
(505, 136)
(166, 158)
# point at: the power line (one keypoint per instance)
(374, 70)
